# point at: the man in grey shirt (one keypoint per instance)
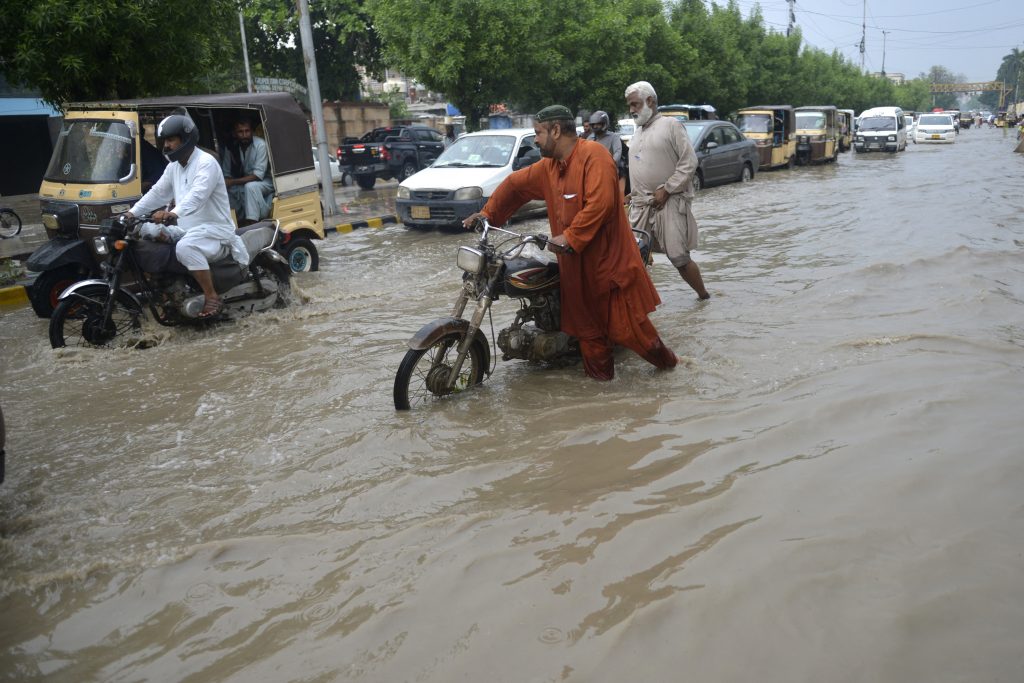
(600, 126)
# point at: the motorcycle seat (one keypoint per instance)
(257, 237)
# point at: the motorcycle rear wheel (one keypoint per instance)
(77, 319)
(422, 373)
(10, 223)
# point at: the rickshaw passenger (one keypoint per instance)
(247, 174)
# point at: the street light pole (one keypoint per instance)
(316, 104)
(245, 52)
(884, 34)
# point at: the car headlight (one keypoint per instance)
(470, 260)
(469, 193)
(892, 138)
(404, 193)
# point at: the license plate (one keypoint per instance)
(419, 211)
(362, 169)
(936, 137)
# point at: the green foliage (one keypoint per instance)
(74, 50)
(395, 99)
(343, 39)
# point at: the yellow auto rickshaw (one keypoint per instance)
(772, 129)
(689, 112)
(817, 134)
(845, 119)
(107, 156)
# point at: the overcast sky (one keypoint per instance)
(968, 37)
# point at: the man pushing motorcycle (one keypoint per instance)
(606, 292)
(200, 222)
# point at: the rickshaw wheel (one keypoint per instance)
(302, 255)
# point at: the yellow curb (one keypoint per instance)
(13, 296)
(374, 223)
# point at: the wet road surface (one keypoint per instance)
(826, 488)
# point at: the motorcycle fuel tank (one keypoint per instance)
(525, 275)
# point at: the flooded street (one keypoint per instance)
(827, 487)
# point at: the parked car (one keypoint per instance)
(934, 128)
(462, 179)
(392, 152)
(724, 155)
(336, 174)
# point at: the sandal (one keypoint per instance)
(212, 308)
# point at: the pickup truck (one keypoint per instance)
(392, 152)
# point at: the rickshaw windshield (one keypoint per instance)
(92, 152)
(754, 123)
(812, 120)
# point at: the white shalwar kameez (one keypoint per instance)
(205, 232)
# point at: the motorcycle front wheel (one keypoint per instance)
(78, 319)
(423, 375)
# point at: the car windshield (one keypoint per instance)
(935, 121)
(875, 123)
(754, 123)
(627, 128)
(810, 120)
(694, 130)
(490, 151)
(92, 152)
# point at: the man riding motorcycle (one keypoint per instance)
(200, 221)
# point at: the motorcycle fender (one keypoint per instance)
(60, 252)
(274, 256)
(70, 291)
(435, 329)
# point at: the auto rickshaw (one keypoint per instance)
(771, 127)
(106, 157)
(689, 112)
(846, 121)
(817, 134)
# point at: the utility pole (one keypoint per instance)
(245, 52)
(863, 33)
(792, 17)
(884, 34)
(316, 104)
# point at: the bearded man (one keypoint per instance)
(661, 167)
(606, 292)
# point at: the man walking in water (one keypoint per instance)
(606, 292)
(661, 167)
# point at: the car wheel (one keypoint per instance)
(408, 170)
(697, 182)
(746, 174)
(366, 181)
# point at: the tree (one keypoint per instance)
(73, 50)
(343, 39)
(528, 53)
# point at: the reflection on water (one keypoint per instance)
(826, 488)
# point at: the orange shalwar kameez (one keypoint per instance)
(606, 292)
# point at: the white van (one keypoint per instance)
(881, 129)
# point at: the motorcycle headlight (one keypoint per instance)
(469, 193)
(100, 243)
(404, 193)
(471, 260)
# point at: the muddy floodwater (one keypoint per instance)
(827, 488)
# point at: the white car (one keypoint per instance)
(461, 180)
(336, 174)
(626, 128)
(935, 128)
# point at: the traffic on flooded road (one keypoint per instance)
(837, 444)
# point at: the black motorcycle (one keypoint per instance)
(451, 354)
(141, 274)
